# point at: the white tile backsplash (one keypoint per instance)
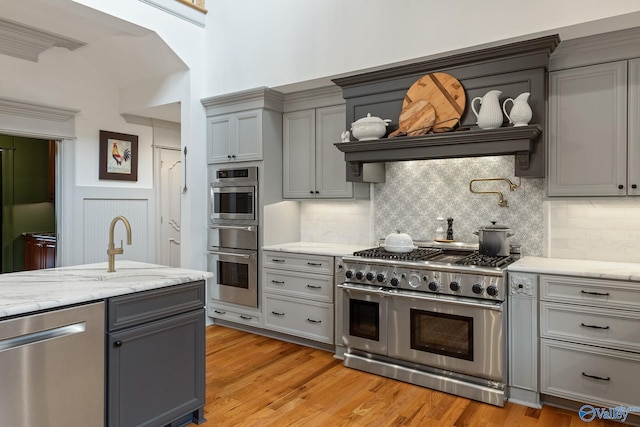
(594, 229)
(345, 222)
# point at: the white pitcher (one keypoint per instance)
(520, 111)
(490, 115)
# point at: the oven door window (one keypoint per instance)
(441, 333)
(233, 202)
(364, 319)
(233, 274)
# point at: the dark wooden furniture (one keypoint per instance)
(39, 251)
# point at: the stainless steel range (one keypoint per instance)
(434, 317)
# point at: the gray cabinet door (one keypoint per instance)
(331, 181)
(247, 144)
(633, 185)
(299, 157)
(219, 134)
(156, 371)
(588, 131)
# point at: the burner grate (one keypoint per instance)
(419, 254)
(479, 259)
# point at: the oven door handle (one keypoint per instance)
(485, 304)
(377, 291)
(232, 227)
(247, 256)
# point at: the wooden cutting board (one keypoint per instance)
(444, 92)
(415, 119)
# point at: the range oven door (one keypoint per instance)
(455, 334)
(235, 276)
(363, 317)
(232, 203)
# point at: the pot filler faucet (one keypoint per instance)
(112, 251)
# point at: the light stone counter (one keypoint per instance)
(330, 249)
(574, 267)
(29, 291)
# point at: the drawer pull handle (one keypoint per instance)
(594, 326)
(279, 282)
(314, 321)
(277, 313)
(314, 264)
(596, 293)
(245, 317)
(596, 377)
(277, 260)
(219, 311)
(314, 287)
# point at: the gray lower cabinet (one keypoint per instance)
(594, 130)
(156, 357)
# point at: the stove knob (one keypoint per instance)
(380, 278)
(359, 275)
(394, 282)
(477, 288)
(492, 290)
(349, 274)
(434, 286)
(370, 276)
(454, 286)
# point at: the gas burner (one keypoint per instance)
(419, 254)
(479, 259)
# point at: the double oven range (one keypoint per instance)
(434, 317)
(233, 236)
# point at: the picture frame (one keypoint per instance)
(118, 156)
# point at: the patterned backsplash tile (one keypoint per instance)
(417, 192)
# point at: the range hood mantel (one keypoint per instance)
(511, 68)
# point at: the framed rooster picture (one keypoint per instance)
(118, 156)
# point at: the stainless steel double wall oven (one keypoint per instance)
(233, 235)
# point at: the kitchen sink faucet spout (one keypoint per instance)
(112, 251)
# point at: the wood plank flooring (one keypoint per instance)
(257, 381)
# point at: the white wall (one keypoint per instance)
(254, 43)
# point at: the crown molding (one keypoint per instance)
(36, 111)
(313, 98)
(24, 42)
(261, 97)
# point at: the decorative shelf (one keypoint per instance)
(519, 141)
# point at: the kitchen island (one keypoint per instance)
(80, 346)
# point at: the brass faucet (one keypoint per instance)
(113, 251)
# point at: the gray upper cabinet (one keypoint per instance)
(588, 131)
(634, 128)
(235, 137)
(313, 167)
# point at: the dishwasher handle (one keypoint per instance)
(45, 335)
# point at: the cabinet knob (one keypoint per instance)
(634, 186)
(311, 192)
(228, 156)
(317, 192)
(233, 156)
(620, 187)
(117, 344)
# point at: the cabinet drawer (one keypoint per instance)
(568, 371)
(299, 262)
(234, 316)
(304, 285)
(135, 309)
(592, 292)
(596, 326)
(307, 320)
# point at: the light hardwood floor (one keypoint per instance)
(257, 381)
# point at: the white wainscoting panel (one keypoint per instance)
(98, 214)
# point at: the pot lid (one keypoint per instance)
(494, 226)
(372, 119)
(398, 239)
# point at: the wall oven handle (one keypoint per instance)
(233, 227)
(230, 254)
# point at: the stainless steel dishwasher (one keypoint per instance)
(52, 368)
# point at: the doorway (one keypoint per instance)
(27, 183)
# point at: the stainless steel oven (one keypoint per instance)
(429, 323)
(233, 195)
(235, 276)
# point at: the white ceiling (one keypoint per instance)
(108, 43)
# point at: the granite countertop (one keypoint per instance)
(314, 248)
(576, 267)
(28, 291)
